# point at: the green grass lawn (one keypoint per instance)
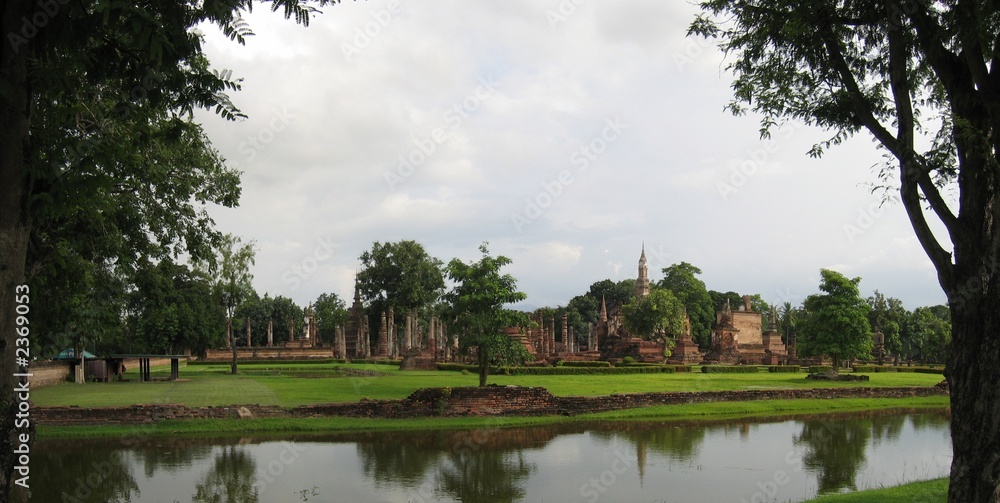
(284, 385)
(931, 491)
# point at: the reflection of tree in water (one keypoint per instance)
(834, 450)
(402, 463)
(886, 427)
(231, 479)
(171, 457)
(484, 476)
(81, 475)
(932, 420)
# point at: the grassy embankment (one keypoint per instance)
(931, 491)
(291, 385)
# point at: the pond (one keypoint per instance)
(739, 461)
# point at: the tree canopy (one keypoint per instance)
(400, 275)
(681, 280)
(478, 314)
(837, 325)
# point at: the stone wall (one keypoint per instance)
(487, 401)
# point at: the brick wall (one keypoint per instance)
(48, 373)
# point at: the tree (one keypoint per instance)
(172, 308)
(232, 281)
(922, 79)
(330, 312)
(927, 335)
(614, 294)
(887, 315)
(477, 310)
(837, 324)
(658, 314)
(681, 280)
(125, 49)
(399, 276)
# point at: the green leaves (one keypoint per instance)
(837, 324)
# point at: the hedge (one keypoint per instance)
(307, 361)
(820, 369)
(784, 368)
(520, 371)
(584, 364)
(730, 369)
(873, 368)
(881, 368)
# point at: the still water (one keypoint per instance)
(734, 461)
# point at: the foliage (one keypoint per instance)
(888, 316)
(401, 276)
(230, 272)
(792, 369)
(729, 369)
(568, 370)
(920, 77)
(681, 280)
(658, 314)
(477, 311)
(614, 294)
(330, 312)
(172, 309)
(584, 364)
(837, 325)
(927, 337)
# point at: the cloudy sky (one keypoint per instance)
(566, 133)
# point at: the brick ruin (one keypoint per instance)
(738, 338)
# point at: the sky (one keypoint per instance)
(567, 134)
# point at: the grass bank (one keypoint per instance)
(688, 412)
(289, 385)
(931, 491)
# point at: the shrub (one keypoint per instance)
(784, 368)
(873, 368)
(730, 369)
(584, 364)
(820, 369)
(628, 360)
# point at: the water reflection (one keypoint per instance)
(86, 475)
(617, 461)
(230, 478)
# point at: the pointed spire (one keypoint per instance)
(604, 311)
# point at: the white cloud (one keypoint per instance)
(330, 129)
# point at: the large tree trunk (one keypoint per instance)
(14, 229)
(973, 372)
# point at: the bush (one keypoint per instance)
(784, 369)
(538, 371)
(820, 369)
(873, 368)
(584, 364)
(628, 360)
(730, 369)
